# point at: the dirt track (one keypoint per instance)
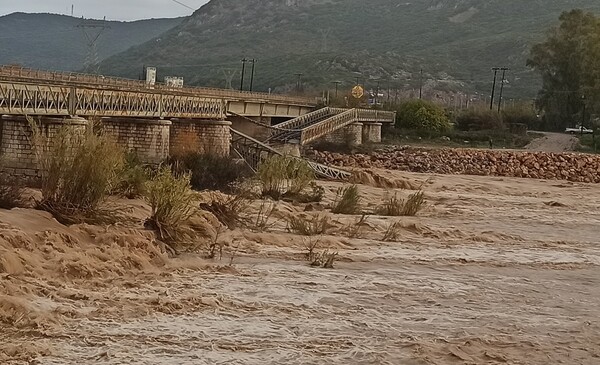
(494, 271)
(553, 142)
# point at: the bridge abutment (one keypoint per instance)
(17, 145)
(201, 136)
(148, 139)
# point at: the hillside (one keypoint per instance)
(51, 41)
(455, 41)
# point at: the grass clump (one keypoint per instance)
(395, 207)
(227, 208)
(79, 170)
(210, 171)
(393, 232)
(309, 226)
(11, 193)
(283, 176)
(173, 204)
(347, 201)
(355, 229)
(324, 259)
(262, 221)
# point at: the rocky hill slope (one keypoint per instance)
(50, 41)
(456, 42)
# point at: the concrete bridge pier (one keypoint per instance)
(148, 139)
(201, 136)
(17, 149)
(371, 132)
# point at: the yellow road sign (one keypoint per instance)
(358, 92)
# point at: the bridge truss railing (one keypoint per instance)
(33, 99)
(8, 73)
(377, 116)
(329, 125)
(255, 152)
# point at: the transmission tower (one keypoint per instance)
(92, 29)
(229, 75)
(325, 39)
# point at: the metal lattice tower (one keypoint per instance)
(229, 75)
(92, 29)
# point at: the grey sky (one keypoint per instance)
(112, 9)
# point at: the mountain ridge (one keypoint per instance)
(52, 41)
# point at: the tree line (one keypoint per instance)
(568, 61)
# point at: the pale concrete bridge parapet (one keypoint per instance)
(202, 136)
(17, 150)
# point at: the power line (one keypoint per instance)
(185, 5)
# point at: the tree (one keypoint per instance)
(422, 115)
(568, 61)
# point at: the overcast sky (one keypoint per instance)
(112, 9)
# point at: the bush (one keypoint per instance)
(211, 172)
(11, 193)
(308, 226)
(133, 179)
(479, 119)
(422, 115)
(227, 209)
(79, 170)
(347, 201)
(522, 115)
(395, 207)
(173, 204)
(282, 176)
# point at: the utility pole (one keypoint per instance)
(357, 78)
(504, 69)
(377, 94)
(495, 69)
(299, 83)
(583, 114)
(337, 83)
(388, 93)
(421, 85)
(244, 60)
(92, 31)
(252, 77)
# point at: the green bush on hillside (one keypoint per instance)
(422, 115)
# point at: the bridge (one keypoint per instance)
(157, 120)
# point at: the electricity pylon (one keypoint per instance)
(92, 29)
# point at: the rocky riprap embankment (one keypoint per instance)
(538, 165)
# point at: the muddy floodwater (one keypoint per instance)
(492, 271)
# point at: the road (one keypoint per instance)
(553, 142)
